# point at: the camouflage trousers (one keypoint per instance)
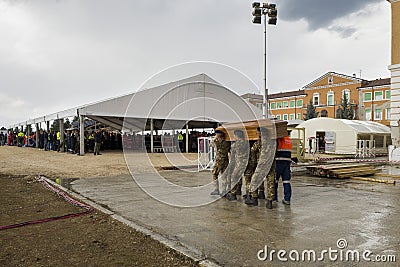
(218, 169)
(247, 178)
(232, 178)
(270, 183)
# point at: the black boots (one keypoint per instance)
(269, 204)
(231, 196)
(215, 192)
(251, 201)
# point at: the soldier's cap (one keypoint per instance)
(239, 133)
(219, 132)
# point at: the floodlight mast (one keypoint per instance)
(270, 10)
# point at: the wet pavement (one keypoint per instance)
(365, 214)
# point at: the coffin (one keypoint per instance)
(251, 128)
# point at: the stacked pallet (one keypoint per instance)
(342, 170)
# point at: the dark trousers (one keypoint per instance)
(97, 148)
(283, 170)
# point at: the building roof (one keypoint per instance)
(252, 96)
(361, 127)
(287, 94)
(275, 96)
(331, 73)
(377, 82)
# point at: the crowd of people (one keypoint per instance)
(107, 140)
(51, 140)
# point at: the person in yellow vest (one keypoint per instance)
(57, 142)
(91, 141)
(20, 139)
(180, 141)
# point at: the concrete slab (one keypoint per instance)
(365, 214)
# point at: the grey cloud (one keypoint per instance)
(344, 32)
(319, 13)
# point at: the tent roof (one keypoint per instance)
(199, 101)
(360, 127)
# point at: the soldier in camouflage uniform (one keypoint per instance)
(266, 162)
(239, 159)
(251, 166)
(222, 148)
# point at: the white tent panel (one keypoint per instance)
(346, 131)
(198, 98)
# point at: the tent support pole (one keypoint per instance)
(81, 136)
(151, 136)
(61, 123)
(37, 134)
(187, 138)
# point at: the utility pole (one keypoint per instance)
(270, 10)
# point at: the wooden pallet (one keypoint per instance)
(342, 170)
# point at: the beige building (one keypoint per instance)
(370, 99)
(374, 101)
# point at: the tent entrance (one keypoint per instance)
(320, 141)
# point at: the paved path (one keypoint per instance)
(322, 211)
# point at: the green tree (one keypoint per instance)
(55, 127)
(311, 112)
(345, 110)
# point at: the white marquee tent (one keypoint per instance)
(341, 136)
(194, 102)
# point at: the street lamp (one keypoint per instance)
(270, 10)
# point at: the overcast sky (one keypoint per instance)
(56, 55)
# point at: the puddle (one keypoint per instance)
(65, 182)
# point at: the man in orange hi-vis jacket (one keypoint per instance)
(283, 160)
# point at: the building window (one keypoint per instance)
(316, 99)
(330, 79)
(330, 99)
(285, 117)
(259, 105)
(378, 114)
(368, 114)
(378, 95)
(285, 104)
(300, 102)
(387, 94)
(273, 105)
(346, 92)
(388, 114)
(291, 117)
(367, 96)
(299, 116)
(279, 105)
(292, 103)
(278, 117)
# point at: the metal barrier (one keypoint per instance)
(365, 149)
(206, 153)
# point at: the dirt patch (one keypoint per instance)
(91, 240)
(16, 161)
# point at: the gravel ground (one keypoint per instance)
(23, 161)
(91, 240)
